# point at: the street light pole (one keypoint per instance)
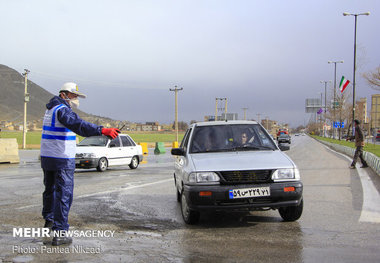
(354, 74)
(176, 110)
(245, 113)
(325, 81)
(334, 104)
(26, 99)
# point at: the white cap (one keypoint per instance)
(72, 88)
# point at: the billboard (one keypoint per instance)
(313, 105)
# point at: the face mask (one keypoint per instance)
(74, 103)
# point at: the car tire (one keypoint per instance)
(291, 213)
(178, 196)
(190, 217)
(134, 162)
(102, 164)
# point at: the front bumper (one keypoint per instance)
(219, 199)
(86, 163)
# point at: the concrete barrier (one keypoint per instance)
(144, 147)
(175, 145)
(9, 150)
(372, 160)
(160, 148)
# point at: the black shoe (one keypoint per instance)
(48, 224)
(364, 166)
(57, 241)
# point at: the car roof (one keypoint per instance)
(213, 123)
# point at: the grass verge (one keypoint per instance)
(33, 138)
(369, 147)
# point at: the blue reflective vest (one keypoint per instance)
(57, 141)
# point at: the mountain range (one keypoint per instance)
(12, 91)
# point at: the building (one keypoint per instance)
(375, 111)
(361, 110)
(148, 126)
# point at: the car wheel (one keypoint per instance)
(134, 162)
(102, 164)
(291, 213)
(190, 217)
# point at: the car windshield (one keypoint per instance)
(234, 137)
(94, 141)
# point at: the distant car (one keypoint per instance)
(378, 135)
(234, 166)
(101, 152)
(284, 138)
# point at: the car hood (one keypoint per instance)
(251, 160)
(90, 149)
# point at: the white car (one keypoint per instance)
(101, 152)
(235, 166)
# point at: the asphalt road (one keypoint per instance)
(340, 222)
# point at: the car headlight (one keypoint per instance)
(204, 178)
(85, 155)
(286, 174)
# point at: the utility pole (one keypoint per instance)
(245, 113)
(176, 110)
(216, 107)
(26, 99)
(258, 117)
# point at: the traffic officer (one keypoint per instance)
(58, 143)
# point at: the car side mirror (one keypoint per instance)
(284, 147)
(178, 151)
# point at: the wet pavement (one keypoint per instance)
(140, 207)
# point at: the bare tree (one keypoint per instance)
(343, 109)
(373, 78)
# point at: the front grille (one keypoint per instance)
(250, 176)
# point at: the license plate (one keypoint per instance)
(249, 192)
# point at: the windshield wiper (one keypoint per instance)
(250, 147)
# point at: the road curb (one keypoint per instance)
(372, 160)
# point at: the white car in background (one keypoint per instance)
(100, 152)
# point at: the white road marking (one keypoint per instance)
(110, 191)
(126, 188)
(371, 197)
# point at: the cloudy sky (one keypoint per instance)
(267, 56)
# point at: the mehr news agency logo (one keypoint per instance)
(47, 233)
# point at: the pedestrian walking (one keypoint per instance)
(58, 143)
(359, 143)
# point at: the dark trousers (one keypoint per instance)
(57, 197)
(359, 153)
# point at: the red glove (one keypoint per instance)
(111, 132)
